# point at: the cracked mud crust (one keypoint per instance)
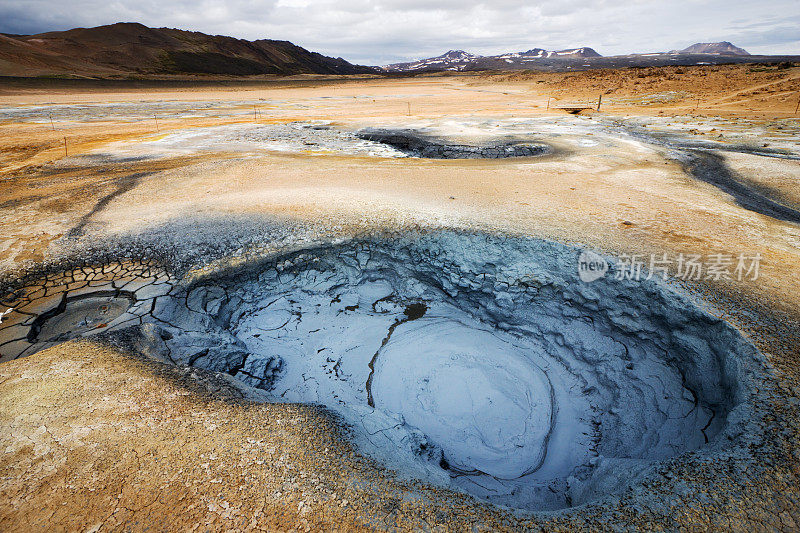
(96, 439)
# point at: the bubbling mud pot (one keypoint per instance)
(477, 362)
(415, 144)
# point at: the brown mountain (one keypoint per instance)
(722, 48)
(132, 48)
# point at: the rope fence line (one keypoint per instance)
(570, 107)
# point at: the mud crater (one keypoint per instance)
(476, 362)
(416, 144)
(78, 303)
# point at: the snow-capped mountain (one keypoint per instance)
(583, 58)
(461, 60)
(452, 60)
(539, 53)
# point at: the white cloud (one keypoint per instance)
(383, 31)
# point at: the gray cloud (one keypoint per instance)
(384, 31)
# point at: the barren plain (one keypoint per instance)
(208, 289)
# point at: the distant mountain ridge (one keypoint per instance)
(531, 57)
(451, 60)
(457, 60)
(721, 48)
(125, 50)
(539, 58)
(133, 48)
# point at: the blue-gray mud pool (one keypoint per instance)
(472, 361)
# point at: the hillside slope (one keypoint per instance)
(132, 48)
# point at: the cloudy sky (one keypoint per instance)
(384, 31)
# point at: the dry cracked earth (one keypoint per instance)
(359, 304)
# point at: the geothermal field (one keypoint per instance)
(447, 302)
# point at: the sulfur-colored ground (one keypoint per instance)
(93, 437)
